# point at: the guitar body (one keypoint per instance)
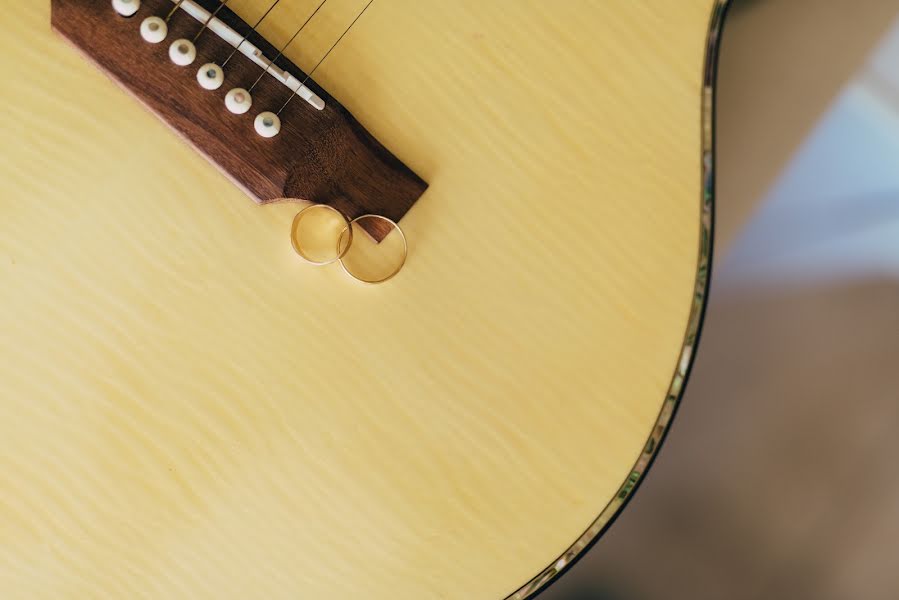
(188, 411)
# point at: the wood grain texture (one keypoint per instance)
(320, 156)
(186, 411)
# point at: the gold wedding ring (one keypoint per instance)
(297, 243)
(344, 251)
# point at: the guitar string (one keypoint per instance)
(252, 31)
(173, 11)
(289, 42)
(331, 49)
(212, 16)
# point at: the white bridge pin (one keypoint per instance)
(238, 101)
(211, 76)
(126, 8)
(268, 124)
(154, 30)
(183, 52)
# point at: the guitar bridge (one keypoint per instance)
(322, 154)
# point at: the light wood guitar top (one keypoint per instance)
(188, 411)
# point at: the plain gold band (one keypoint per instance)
(343, 254)
(298, 248)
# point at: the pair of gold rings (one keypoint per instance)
(344, 243)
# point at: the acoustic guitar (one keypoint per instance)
(189, 410)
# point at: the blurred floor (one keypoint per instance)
(779, 478)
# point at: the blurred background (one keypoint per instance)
(780, 478)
